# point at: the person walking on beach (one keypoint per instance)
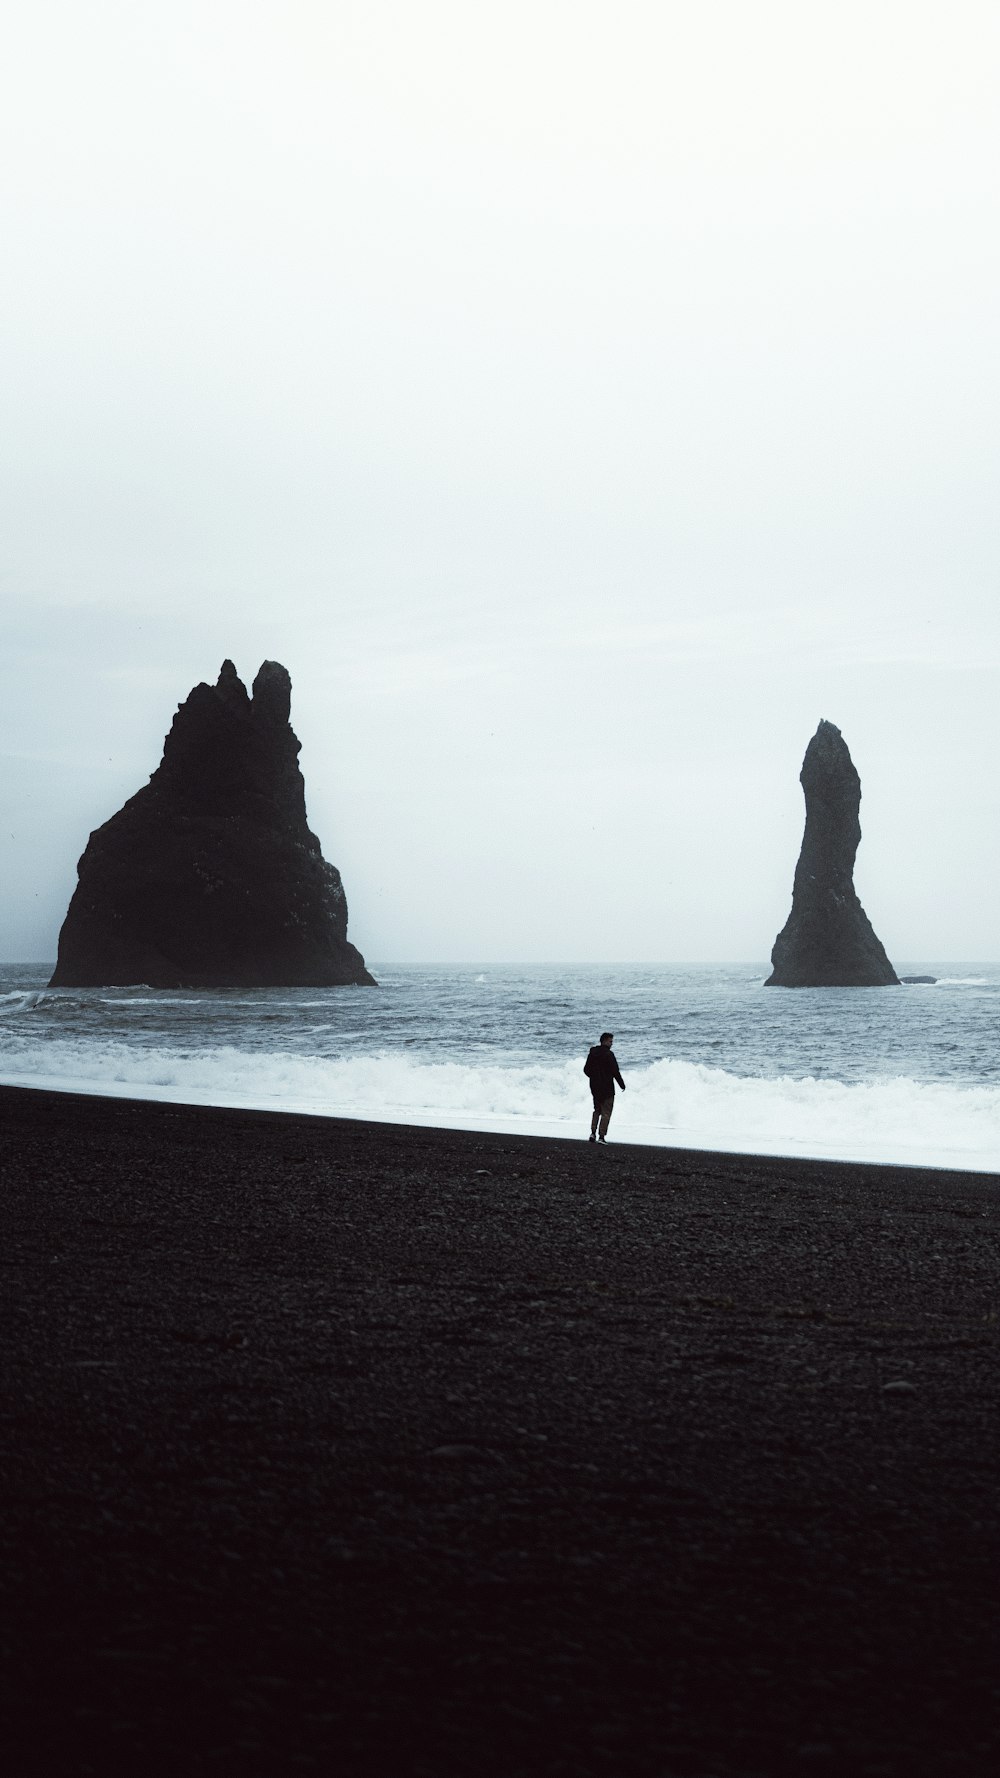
(601, 1070)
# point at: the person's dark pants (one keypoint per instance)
(602, 1114)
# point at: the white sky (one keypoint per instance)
(581, 400)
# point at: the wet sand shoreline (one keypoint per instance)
(375, 1449)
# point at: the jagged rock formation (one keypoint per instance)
(828, 941)
(209, 876)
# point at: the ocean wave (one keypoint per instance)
(21, 1000)
(166, 1000)
(670, 1102)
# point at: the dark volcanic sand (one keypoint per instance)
(343, 1448)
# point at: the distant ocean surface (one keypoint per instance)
(711, 1058)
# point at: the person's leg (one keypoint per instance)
(606, 1109)
(593, 1121)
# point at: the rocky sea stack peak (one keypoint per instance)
(828, 941)
(210, 876)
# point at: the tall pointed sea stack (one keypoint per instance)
(828, 941)
(209, 877)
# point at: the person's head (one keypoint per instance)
(607, 1038)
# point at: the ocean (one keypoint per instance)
(711, 1059)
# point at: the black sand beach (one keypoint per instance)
(356, 1449)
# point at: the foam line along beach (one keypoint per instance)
(908, 1075)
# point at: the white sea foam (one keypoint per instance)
(671, 1102)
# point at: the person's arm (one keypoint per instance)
(618, 1077)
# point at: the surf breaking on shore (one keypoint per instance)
(669, 1103)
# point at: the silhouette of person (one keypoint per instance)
(601, 1070)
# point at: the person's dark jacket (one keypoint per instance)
(602, 1071)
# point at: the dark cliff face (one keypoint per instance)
(209, 876)
(828, 941)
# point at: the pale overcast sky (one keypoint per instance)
(581, 400)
